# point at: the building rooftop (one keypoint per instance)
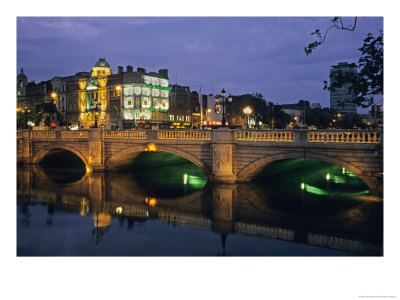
(102, 63)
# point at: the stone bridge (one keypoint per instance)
(224, 155)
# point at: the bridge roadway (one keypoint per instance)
(228, 210)
(224, 155)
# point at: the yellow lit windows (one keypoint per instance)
(137, 91)
(155, 92)
(128, 115)
(128, 102)
(164, 104)
(155, 81)
(156, 103)
(146, 91)
(145, 102)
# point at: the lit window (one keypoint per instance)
(145, 102)
(128, 91)
(164, 83)
(156, 103)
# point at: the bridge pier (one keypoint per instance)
(96, 151)
(222, 157)
(25, 145)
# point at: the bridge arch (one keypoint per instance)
(117, 157)
(256, 166)
(38, 157)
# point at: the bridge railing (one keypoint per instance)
(344, 136)
(43, 134)
(200, 135)
(340, 243)
(265, 135)
(125, 134)
(74, 134)
(262, 230)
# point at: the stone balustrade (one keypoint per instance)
(125, 134)
(341, 244)
(76, 134)
(199, 135)
(43, 134)
(341, 136)
(314, 136)
(265, 135)
(267, 231)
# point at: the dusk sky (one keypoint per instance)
(240, 54)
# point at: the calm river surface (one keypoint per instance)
(162, 205)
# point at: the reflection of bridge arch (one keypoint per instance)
(38, 157)
(256, 166)
(118, 157)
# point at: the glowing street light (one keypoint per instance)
(247, 111)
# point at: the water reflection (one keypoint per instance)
(108, 204)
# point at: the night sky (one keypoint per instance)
(240, 54)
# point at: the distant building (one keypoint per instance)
(316, 106)
(340, 99)
(180, 112)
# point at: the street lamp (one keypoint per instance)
(224, 101)
(247, 111)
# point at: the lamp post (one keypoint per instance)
(247, 111)
(224, 101)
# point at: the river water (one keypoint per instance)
(162, 205)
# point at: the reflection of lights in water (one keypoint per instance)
(84, 207)
(315, 190)
(102, 220)
(328, 176)
(343, 171)
(302, 186)
(118, 210)
(196, 181)
(338, 179)
(151, 201)
(185, 178)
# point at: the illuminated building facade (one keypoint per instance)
(113, 101)
(144, 98)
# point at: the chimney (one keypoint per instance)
(120, 70)
(141, 70)
(129, 69)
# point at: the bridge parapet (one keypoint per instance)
(265, 135)
(43, 134)
(78, 134)
(345, 136)
(125, 134)
(198, 135)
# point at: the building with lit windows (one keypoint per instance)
(99, 98)
(180, 113)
